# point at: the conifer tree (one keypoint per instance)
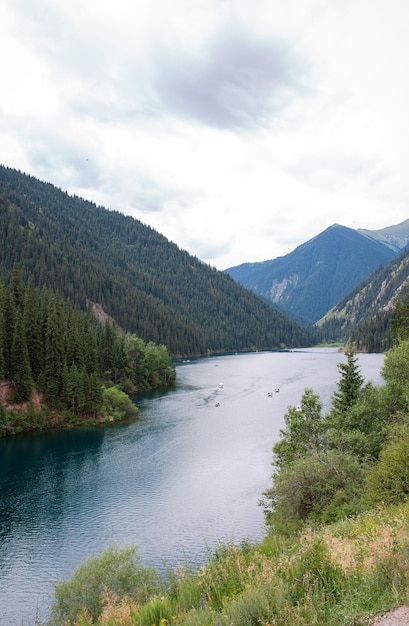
(32, 330)
(90, 346)
(54, 352)
(17, 286)
(71, 381)
(93, 394)
(349, 384)
(2, 332)
(74, 351)
(108, 341)
(400, 320)
(9, 318)
(20, 371)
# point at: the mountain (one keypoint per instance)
(396, 237)
(363, 315)
(315, 276)
(131, 273)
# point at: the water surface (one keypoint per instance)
(179, 480)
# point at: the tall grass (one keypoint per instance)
(340, 575)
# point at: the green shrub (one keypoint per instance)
(117, 404)
(159, 610)
(250, 609)
(308, 488)
(362, 429)
(116, 571)
(387, 481)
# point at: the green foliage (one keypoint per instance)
(117, 404)
(319, 487)
(348, 385)
(320, 462)
(19, 367)
(373, 334)
(400, 320)
(251, 608)
(356, 420)
(158, 610)
(115, 572)
(307, 571)
(387, 482)
(49, 343)
(304, 432)
(395, 371)
(347, 573)
(363, 429)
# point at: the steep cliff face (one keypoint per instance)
(281, 289)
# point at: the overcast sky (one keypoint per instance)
(237, 128)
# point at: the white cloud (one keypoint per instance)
(238, 130)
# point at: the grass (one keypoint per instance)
(343, 574)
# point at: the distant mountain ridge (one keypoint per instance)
(134, 274)
(396, 237)
(309, 281)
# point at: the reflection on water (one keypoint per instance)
(187, 474)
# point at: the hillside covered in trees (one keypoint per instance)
(59, 365)
(139, 278)
(363, 316)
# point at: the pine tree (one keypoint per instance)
(71, 379)
(2, 332)
(17, 286)
(54, 352)
(400, 320)
(349, 384)
(20, 371)
(9, 318)
(90, 346)
(32, 329)
(93, 394)
(74, 349)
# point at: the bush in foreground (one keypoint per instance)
(344, 573)
(115, 573)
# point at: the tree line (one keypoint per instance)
(81, 366)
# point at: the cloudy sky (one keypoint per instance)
(237, 128)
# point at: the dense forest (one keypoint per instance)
(140, 279)
(59, 365)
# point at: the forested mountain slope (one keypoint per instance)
(363, 315)
(142, 280)
(315, 276)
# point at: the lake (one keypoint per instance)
(182, 478)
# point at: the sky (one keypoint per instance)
(239, 129)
